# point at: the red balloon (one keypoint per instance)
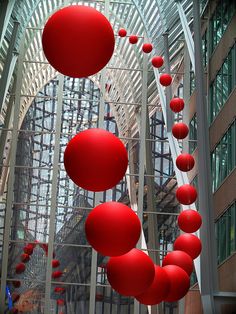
(28, 249)
(179, 283)
(133, 39)
(186, 194)
(185, 162)
(60, 290)
(165, 79)
(188, 243)
(147, 48)
(16, 283)
(57, 274)
(112, 229)
(179, 258)
(95, 160)
(158, 290)
(55, 263)
(177, 104)
(122, 32)
(157, 61)
(78, 41)
(189, 220)
(25, 257)
(180, 130)
(132, 273)
(20, 268)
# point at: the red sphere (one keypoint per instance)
(132, 273)
(157, 61)
(112, 229)
(60, 302)
(177, 104)
(186, 194)
(20, 268)
(95, 160)
(15, 297)
(147, 48)
(122, 32)
(16, 283)
(57, 274)
(133, 39)
(185, 162)
(78, 41)
(180, 130)
(158, 290)
(55, 263)
(60, 290)
(165, 79)
(179, 283)
(188, 243)
(181, 259)
(28, 249)
(25, 257)
(189, 220)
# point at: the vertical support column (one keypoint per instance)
(10, 185)
(208, 255)
(6, 8)
(52, 225)
(169, 113)
(142, 153)
(98, 196)
(186, 83)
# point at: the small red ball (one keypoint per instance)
(20, 268)
(179, 258)
(186, 194)
(55, 263)
(122, 32)
(28, 249)
(16, 283)
(60, 302)
(57, 274)
(185, 162)
(60, 290)
(188, 243)
(25, 258)
(180, 130)
(95, 160)
(112, 229)
(147, 48)
(157, 61)
(165, 79)
(177, 104)
(78, 41)
(132, 273)
(189, 220)
(158, 290)
(179, 283)
(133, 39)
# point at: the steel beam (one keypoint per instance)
(6, 8)
(11, 178)
(208, 256)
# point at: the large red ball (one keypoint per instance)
(147, 48)
(188, 243)
(186, 194)
(158, 290)
(25, 258)
(95, 160)
(132, 273)
(133, 39)
(165, 79)
(57, 274)
(157, 61)
(185, 162)
(20, 268)
(179, 283)
(122, 32)
(28, 249)
(180, 130)
(181, 259)
(177, 104)
(189, 220)
(78, 41)
(112, 229)
(55, 263)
